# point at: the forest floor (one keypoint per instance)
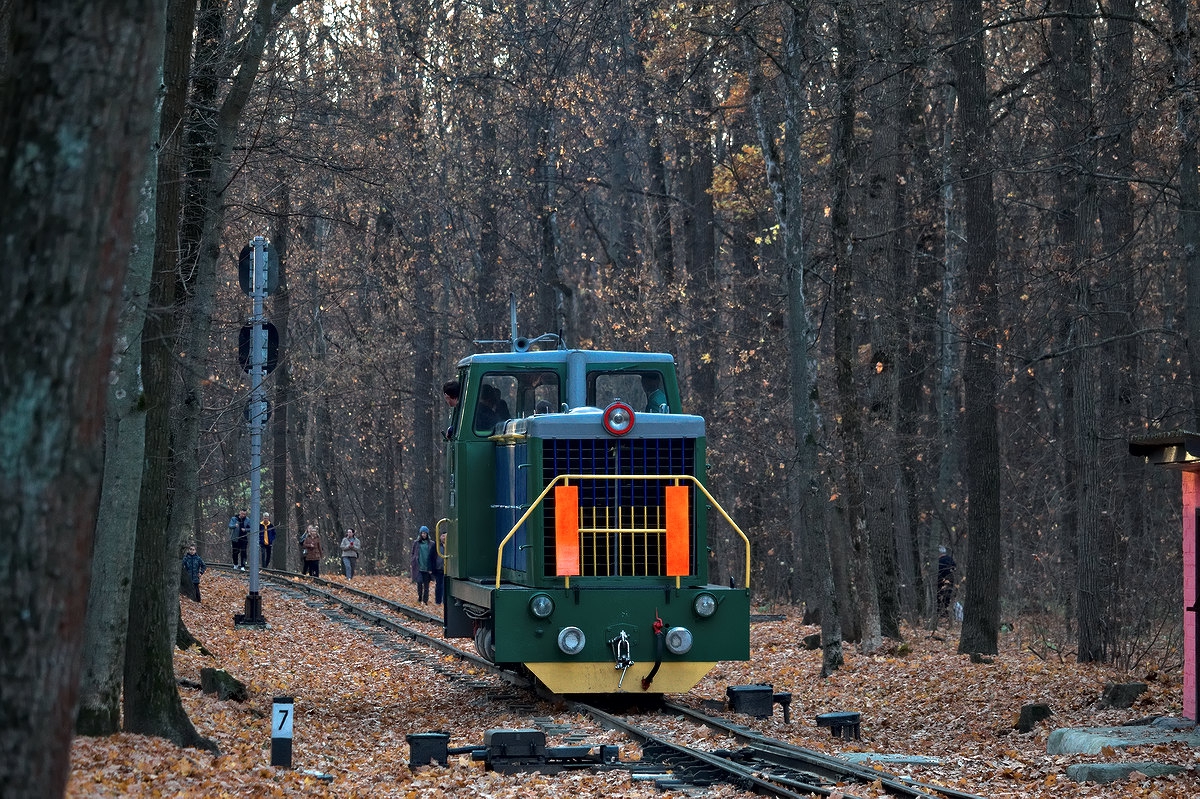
(356, 702)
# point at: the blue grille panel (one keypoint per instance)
(631, 505)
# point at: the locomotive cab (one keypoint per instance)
(576, 521)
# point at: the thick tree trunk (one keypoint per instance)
(551, 291)
(1120, 407)
(116, 524)
(981, 610)
(864, 590)
(1188, 228)
(884, 218)
(700, 254)
(151, 700)
(74, 132)
(1070, 53)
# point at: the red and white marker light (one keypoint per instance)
(618, 418)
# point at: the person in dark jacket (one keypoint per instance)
(239, 538)
(945, 580)
(450, 391)
(266, 539)
(439, 571)
(194, 565)
(424, 559)
(492, 408)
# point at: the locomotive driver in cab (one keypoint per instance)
(451, 391)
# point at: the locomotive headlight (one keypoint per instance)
(679, 640)
(705, 605)
(618, 418)
(571, 640)
(541, 605)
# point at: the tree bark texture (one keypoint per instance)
(981, 610)
(74, 133)
(864, 590)
(116, 524)
(1187, 97)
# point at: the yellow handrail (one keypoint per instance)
(565, 477)
(437, 538)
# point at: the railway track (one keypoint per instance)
(762, 765)
(333, 593)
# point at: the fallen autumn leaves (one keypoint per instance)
(356, 702)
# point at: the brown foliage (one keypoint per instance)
(355, 702)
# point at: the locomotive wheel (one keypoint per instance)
(485, 642)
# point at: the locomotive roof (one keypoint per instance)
(549, 357)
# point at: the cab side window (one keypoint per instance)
(508, 395)
(492, 407)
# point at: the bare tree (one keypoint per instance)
(864, 590)
(1188, 225)
(981, 612)
(152, 705)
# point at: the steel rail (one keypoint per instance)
(762, 753)
(305, 584)
(736, 774)
(772, 748)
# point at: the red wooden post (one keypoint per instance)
(1191, 614)
(1181, 450)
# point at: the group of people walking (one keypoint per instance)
(428, 564)
(310, 545)
(239, 539)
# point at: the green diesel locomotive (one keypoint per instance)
(575, 535)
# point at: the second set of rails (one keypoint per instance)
(760, 764)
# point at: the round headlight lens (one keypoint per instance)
(618, 418)
(541, 606)
(679, 640)
(705, 605)
(571, 640)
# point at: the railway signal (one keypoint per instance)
(258, 348)
(270, 358)
(249, 278)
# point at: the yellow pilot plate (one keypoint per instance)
(602, 678)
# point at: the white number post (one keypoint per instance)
(282, 712)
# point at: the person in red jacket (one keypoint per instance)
(311, 545)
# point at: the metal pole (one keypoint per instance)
(257, 414)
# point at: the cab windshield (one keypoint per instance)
(642, 389)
